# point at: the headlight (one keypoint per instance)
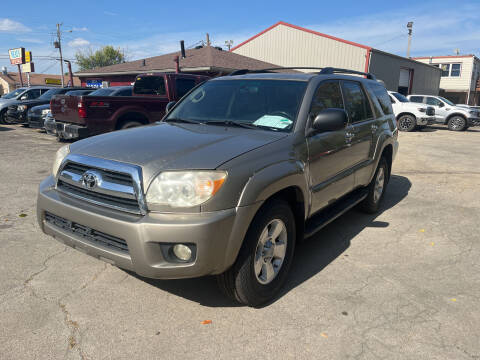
(184, 188)
(22, 107)
(45, 111)
(60, 155)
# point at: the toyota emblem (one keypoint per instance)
(91, 179)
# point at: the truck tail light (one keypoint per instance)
(82, 112)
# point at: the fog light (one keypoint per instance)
(182, 252)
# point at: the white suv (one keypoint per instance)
(456, 117)
(410, 115)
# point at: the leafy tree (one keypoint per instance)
(107, 55)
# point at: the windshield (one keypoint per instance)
(48, 95)
(447, 101)
(271, 104)
(13, 93)
(102, 92)
(400, 97)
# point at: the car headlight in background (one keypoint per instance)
(45, 111)
(184, 188)
(22, 107)
(59, 156)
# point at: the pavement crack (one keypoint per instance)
(45, 266)
(73, 341)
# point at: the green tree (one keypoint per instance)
(107, 55)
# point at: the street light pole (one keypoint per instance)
(59, 45)
(409, 27)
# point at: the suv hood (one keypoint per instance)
(175, 146)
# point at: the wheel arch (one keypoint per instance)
(405, 113)
(131, 115)
(447, 119)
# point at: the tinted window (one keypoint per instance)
(102, 92)
(381, 95)
(183, 86)
(433, 101)
(416, 99)
(150, 85)
(32, 94)
(48, 95)
(123, 92)
(356, 102)
(328, 95)
(447, 101)
(400, 97)
(455, 70)
(78, 92)
(270, 103)
(392, 99)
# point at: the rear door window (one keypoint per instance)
(150, 85)
(384, 99)
(416, 99)
(356, 102)
(183, 86)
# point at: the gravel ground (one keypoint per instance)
(402, 284)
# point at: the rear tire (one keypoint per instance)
(265, 257)
(376, 189)
(3, 115)
(406, 123)
(130, 124)
(457, 123)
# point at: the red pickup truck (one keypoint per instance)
(82, 116)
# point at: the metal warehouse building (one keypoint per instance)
(289, 45)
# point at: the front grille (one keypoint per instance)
(12, 107)
(92, 236)
(115, 190)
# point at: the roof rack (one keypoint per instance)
(332, 70)
(247, 71)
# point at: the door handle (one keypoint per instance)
(349, 136)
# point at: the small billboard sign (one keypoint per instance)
(28, 67)
(28, 57)
(17, 56)
(52, 81)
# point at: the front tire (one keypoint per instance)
(457, 123)
(407, 123)
(265, 257)
(376, 189)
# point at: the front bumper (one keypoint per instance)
(70, 131)
(35, 121)
(16, 116)
(217, 236)
(50, 126)
(426, 120)
(473, 121)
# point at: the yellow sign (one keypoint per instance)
(28, 56)
(28, 67)
(50, 81)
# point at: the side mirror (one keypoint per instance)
(330, 120)
(441, 104)
(170, 105)
(24, 97)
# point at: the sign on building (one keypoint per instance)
(94, 83)
(17, 56)
(51, 81)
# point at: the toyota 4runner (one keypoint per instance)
(236, 173)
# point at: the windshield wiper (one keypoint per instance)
(230, 123)
(188, 121)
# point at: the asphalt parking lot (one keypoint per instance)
(404, 283)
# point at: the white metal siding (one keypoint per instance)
(287, 46)
(453, 83)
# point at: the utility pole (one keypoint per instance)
(208, 40)
(409, 27)
(58, 45)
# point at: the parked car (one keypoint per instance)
(37, 114)
(239, 170)
(473, 107)
(17, 97)
(79, 117)
(17, 114)
(446, 112)
(410, 115)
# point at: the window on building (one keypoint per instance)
(445, 69)
(455, 70)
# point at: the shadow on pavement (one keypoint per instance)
(311, 256)
(5, 128)
(433, 128)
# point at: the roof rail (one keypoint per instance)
(247, 71)
(332, 70)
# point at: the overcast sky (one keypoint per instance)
(151, 28)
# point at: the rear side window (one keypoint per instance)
(183, 86)
(356, 102)
(383, 98)
(150, 85)
(416, 99)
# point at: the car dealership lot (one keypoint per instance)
(404, 283)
